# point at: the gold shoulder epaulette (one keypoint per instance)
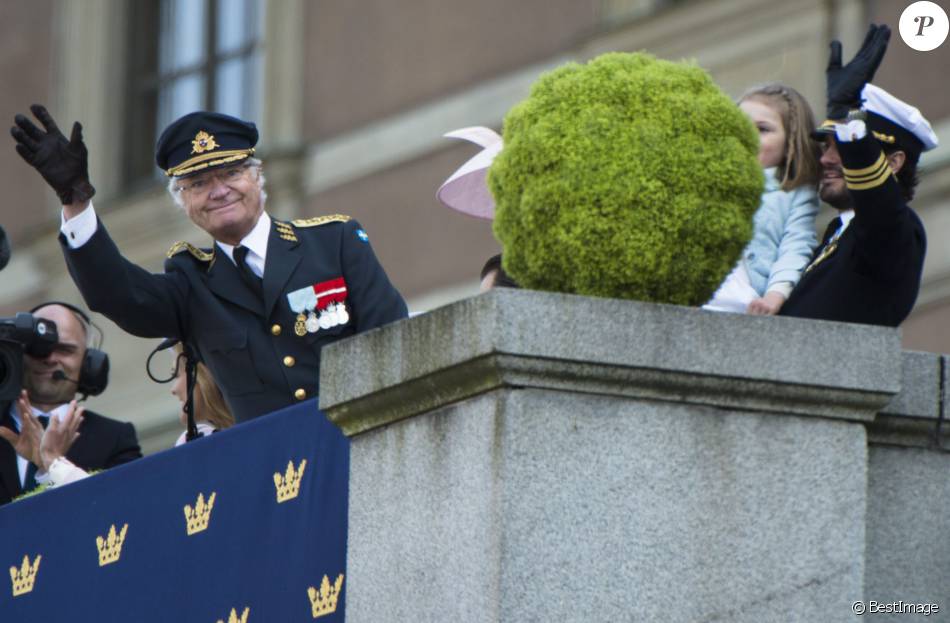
(201, 256)
(320, 220)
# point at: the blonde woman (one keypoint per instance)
(211, 412)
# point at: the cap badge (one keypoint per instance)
(884, 138)
(203, 142)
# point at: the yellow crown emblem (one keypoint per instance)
(203, 142)
(110, 548)
(197, 518)
(24, 577)
(234, 617)
(323, 602)
(288, 485)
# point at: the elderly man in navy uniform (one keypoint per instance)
(868, 268)
(256, 307)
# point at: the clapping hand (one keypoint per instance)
(43, 447)
(26, 443)
(63, 164)
(60, 435)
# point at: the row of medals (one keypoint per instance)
(333, 315)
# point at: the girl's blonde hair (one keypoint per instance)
(213, 409)
(799, 165)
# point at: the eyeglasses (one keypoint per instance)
(202, 183)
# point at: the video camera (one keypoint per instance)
(21, 334)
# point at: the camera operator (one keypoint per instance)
(52, 384)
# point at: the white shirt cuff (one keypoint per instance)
(851, 131)
(79, 229)
(782, 287)
(42, 478)
(63, 472)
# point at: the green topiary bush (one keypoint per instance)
(627, 177)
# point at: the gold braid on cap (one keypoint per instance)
(211, 159)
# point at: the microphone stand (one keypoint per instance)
(191, 378)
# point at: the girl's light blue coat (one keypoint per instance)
(783, 237)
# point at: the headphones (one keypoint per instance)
(94, 371)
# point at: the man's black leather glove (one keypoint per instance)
(63, 164)
(845, 83)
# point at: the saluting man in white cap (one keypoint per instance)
(868, 267)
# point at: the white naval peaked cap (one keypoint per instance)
(899, 113)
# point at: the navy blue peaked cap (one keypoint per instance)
(204, 140)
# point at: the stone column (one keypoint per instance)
(908, 552)
(527, 456)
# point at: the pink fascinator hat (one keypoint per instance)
(466, 190)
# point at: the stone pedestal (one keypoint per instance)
(526, 456)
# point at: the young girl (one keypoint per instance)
(783, 237)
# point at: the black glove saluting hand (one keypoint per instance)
(845, 84)
(63, 164)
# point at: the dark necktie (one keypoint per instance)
(830, 230)
(29, 481)
(252, 281)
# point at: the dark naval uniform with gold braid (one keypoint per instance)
(249, 344)
(871, 273)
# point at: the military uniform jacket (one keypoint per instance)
(102, 443)
(871, 274)
(250, 345)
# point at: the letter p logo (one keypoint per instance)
(924, 21)
(924, 26)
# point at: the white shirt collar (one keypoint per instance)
(58, 413)
(203, 427)
(845, 216)
(255, 241)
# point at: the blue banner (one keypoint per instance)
(245, 526)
